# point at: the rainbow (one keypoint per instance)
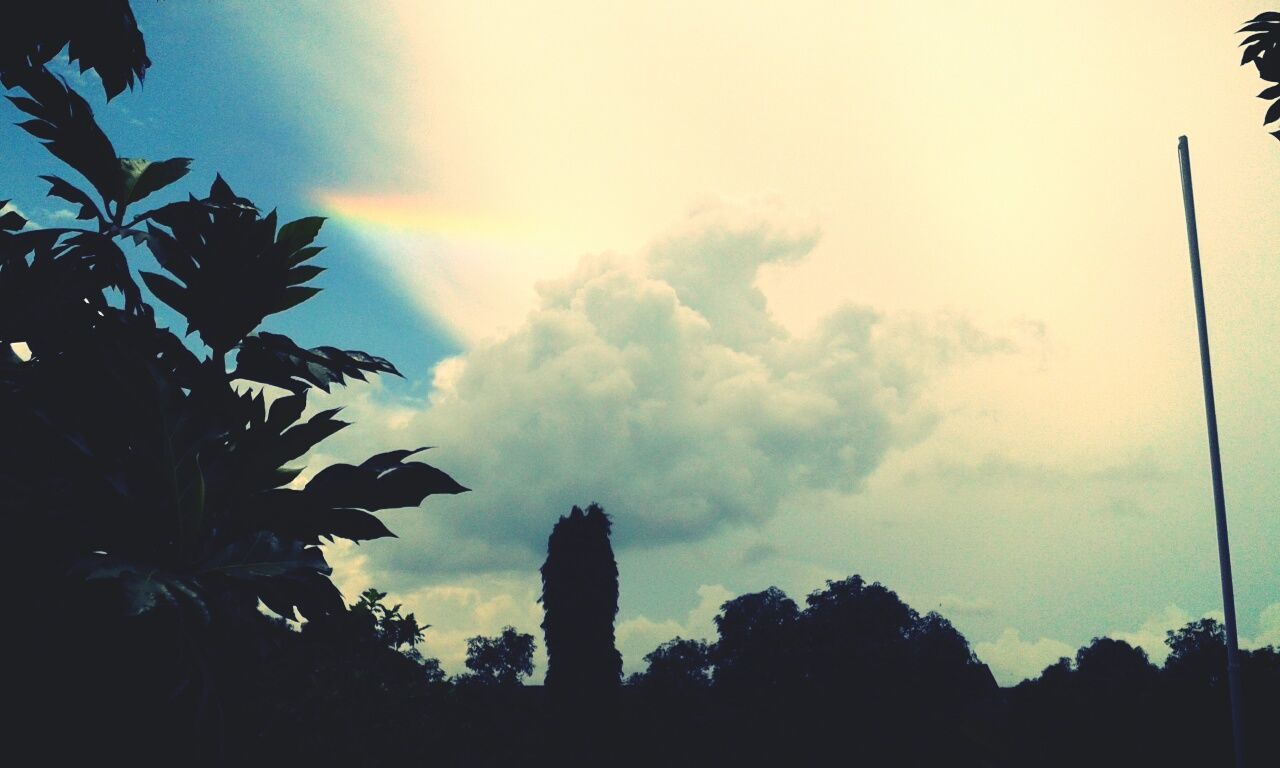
(420, 215)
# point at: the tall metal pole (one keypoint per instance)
(1215, 461)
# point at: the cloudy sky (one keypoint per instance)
(795, 290)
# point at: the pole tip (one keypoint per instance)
(1182, 142)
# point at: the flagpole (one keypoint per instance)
(1215, 462)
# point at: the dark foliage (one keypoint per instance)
(1260, 47)
(676, 665)
(757, 647)
(1121, 710)
(580, 600)
(153, 507)
(502, 660)
(102, 35)
(150, 494)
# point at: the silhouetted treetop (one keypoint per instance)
(502, 660)
(1114, 663)
(677, 664)
(580, 601)
(757, 644)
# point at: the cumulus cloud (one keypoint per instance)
(9, 206)
(1013, 659)
(639, 635)
(458, 609)
(1268, 628)
(455, 610)
(1150, 636)
(662, 387)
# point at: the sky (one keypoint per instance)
(795, 291)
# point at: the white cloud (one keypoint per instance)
(661, 387)
(455, 610)
(1151, 635)
(10, 206)
(639, 635)
(1013, 659)
(1268, 628)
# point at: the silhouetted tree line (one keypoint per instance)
(855, 676)
(152, 514)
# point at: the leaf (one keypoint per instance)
(292, 297)
(73, 135)
(39, 128)
(299, 275)
(300, 233)
(286, 410)
(312, 522)
(381, 482)
(1273, 113)
(30, 106)
(72, 194)
(270, 358)
(143, 587)
(142, 177)
(11, 220)
(264, 556)
(408, 485)
(1252, 52)
(313, 594)
(299, 439)
(170, 254)
(302, 254)
(166, 290)
(283, 573)
(1270, 93)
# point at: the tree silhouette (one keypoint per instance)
(677, 665)
(149, 479)
(756, 648)
(1199, 650)
(580, 602)
(501, 660)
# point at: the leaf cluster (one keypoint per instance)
(1260, 48)
(145, 476)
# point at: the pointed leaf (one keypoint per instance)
(39, 128)
(170, 254)
(292, 297)
(286, 410)
(12, 221)
(142, 177)
(299, 275)
(165, 290)
(1273, 113)
(72, 194)
(300, 233)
